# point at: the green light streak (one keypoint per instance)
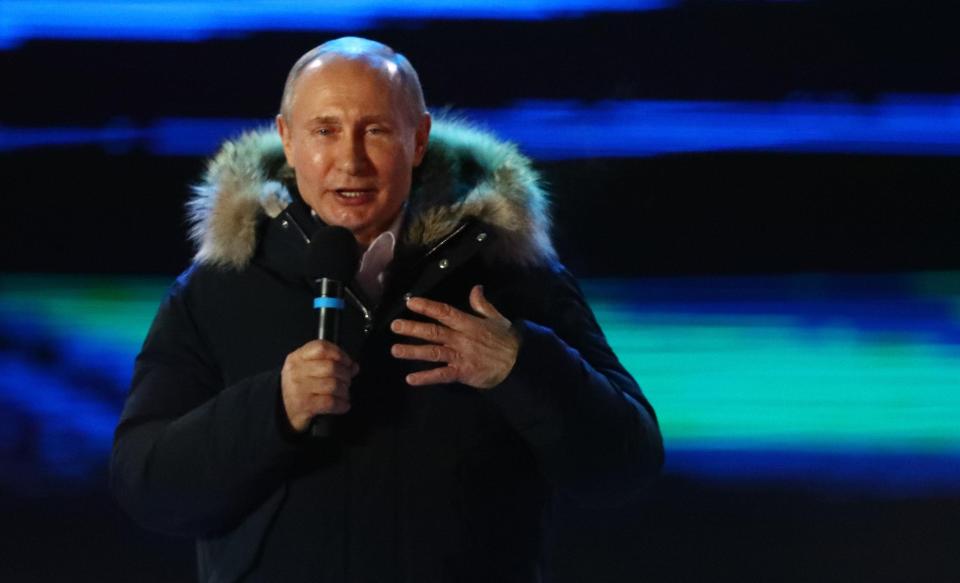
(771, 379)
(108, 309)
(717, 376)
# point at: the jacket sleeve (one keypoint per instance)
(189, 456)
(571, 400)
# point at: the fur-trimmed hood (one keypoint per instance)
(465, 173)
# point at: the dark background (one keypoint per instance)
(716, 212)
(119, 210)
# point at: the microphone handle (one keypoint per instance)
(329, 305)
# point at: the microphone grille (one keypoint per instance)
(332, 254)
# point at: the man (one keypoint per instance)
(470, 384)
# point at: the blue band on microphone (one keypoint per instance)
(334, 303)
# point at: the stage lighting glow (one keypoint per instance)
(856, 384)
(813, 381)
(557, 130)
(894, 124)
(179, 20)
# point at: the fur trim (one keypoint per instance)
(465, 173)
(225, 208)
(469, 173)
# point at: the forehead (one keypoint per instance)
(333, 81)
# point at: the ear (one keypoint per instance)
(421, 139)
(284, 130)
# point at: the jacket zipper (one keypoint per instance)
(365, 311)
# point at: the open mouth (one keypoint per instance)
(355, 195)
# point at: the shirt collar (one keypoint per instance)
(376, 258)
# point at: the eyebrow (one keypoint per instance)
(334, 120)
(325, 119)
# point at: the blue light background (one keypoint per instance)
(846, 383)
(821, 381)
(177, 20)
(550, 130)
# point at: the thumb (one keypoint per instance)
(480, 304)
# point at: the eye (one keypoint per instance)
(377, 130)
(324, 131)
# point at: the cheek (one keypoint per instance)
(316, 156)
(310, 163)
(396, 164)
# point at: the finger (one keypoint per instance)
(422, 330)
(428, 352)
(340, 390)
(321, 369)
(482, 306)
(323, 350)
(339, 407)
(435, 376)
(439, 311)
(329, 386)
(328, 404)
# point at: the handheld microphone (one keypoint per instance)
(332, 261)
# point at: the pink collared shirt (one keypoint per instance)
(375, 260)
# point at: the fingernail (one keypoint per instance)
(395, 325)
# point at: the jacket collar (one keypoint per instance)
(465, 174)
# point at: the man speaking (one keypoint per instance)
(469, 386)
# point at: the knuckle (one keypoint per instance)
(325, 402)
(323, 350)
(449, 374)
(341, 373)
(329, 385)
(487, 336)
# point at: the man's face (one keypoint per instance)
(349, 136)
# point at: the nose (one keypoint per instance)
(353, 155)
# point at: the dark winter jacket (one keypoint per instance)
(415, 484)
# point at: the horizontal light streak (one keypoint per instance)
(877, 368)
(897, 124)
(557, 130)
(785, 383)
(848, 469)
(184, 21)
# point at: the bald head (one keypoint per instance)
(376, 55)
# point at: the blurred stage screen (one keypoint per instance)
(827, 382)
(759, 198)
